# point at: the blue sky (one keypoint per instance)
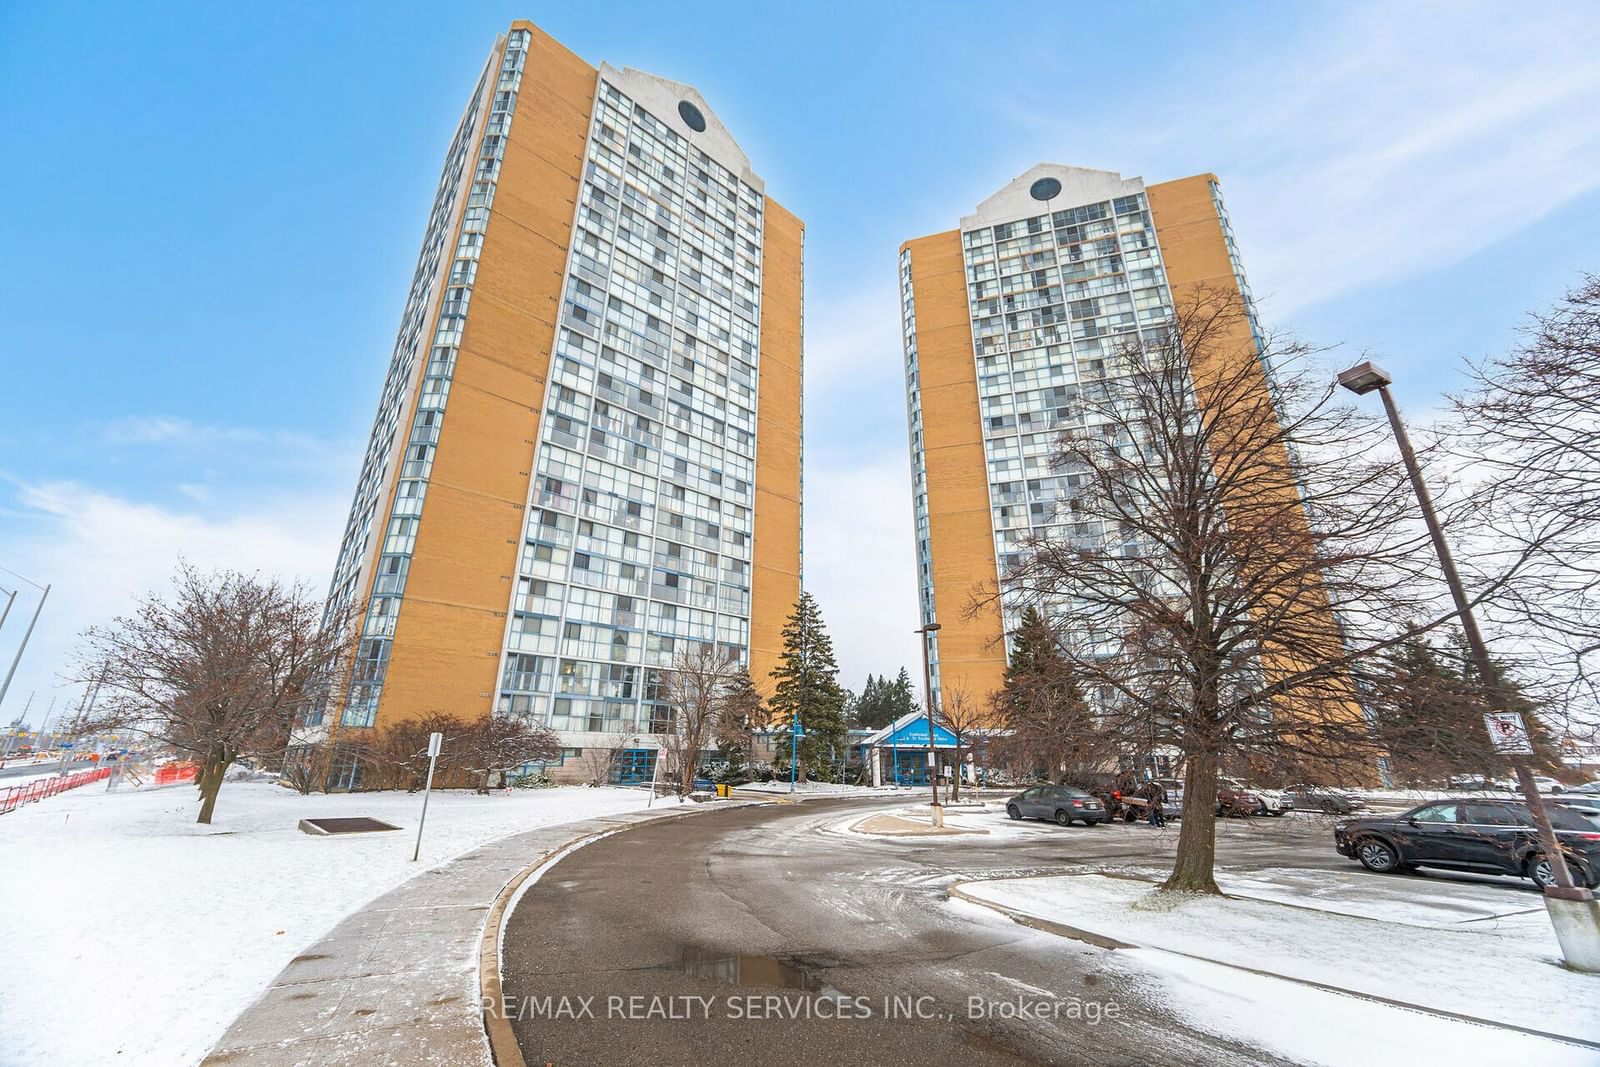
(214, 211)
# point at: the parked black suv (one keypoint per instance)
(1491, 836)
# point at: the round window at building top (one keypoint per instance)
(1045, 189)
(691, 116)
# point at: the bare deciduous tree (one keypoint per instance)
(217, 668)
(696, 686)
(499, 743)
(1531, 428)
(1232, 543)
(599, 763)
(964, 717)
(470, 753)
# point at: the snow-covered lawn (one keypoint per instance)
(130, 934)
(1498, 962)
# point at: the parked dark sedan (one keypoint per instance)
(1062, 803)
(1489, 836)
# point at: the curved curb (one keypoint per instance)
(503, 1048)
(1022, 918)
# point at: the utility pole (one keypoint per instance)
(20, 648)
(797, 731)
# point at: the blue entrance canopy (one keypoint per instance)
(913, 733)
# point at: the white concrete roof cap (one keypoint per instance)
(661, 96)
(1079, 186)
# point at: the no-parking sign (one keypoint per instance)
(1508, 733)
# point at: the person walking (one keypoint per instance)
(1156, 794)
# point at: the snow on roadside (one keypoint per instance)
(1317, 1027)
(1507, 971)
(131, 933)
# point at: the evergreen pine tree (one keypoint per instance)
(861, 711)
(902, 699)
(807, 685)
(1050, 727)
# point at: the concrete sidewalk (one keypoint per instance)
(397, 982)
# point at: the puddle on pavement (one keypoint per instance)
(767, 972)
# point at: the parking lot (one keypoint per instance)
(1296, 850)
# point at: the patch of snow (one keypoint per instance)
(1508, 971)
(1314, 1026)
(133, 934)
(1415, 900)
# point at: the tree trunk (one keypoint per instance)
(1197, 836)
(211, 785)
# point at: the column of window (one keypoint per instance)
(919, 470)
(393, 562)
(646, 450)
(1052, 299)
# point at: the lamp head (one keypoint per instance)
(1363, 378)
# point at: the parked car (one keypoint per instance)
(1273, 801)
(1062, 803)
(1470, 781)
(1491, 836)
(1324, 798)
(1234, 798)
(1543, 783)
(1588, 803)
(1586, 789)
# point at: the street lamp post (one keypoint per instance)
(927, 689)
(796, 731)
(1366, 378)
(1573, 910)
(44, 595)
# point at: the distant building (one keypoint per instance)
(1002, 318)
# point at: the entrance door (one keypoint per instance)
(637, 766)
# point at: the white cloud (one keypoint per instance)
(853, 346)
(860, 561)
(860, 564)
(1380, 143)
(99, 550)
(178, 433)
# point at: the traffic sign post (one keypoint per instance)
(435, 742)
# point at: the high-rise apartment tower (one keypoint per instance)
(1002, 318)
(587, 450)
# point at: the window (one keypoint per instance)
(1436, 813)
(1490, 815)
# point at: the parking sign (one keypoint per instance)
(1508, 733)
